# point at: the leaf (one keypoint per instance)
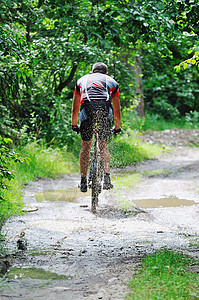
(35, 61)
(185, 66)
(177, 68)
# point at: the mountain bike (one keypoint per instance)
(95, 173)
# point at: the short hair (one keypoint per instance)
(100, 67)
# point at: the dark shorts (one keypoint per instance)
(93, 113)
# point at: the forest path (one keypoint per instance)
(97, 254)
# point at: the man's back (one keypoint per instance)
(96, 87)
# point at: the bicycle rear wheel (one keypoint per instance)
(94, 186)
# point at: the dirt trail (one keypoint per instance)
(98, 253)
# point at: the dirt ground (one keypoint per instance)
(97, 254)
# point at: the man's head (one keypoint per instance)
(100, 67)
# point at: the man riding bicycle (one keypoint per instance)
(96, 93)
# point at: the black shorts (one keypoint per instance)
(93, 113)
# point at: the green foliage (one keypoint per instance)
(8, 205)
(130, 120)
(42, 161)
(45, 47)
(127, 182)
(38, 160)
(128, 149)
(165, 275)
(168, 94)
(192, 119)
(190, 62)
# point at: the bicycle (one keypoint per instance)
(95, 173)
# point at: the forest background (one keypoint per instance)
(150, 47)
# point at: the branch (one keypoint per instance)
(64, 83)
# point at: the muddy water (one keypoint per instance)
(34, 273)
(97, 254)
(164, 202)
(69, 195)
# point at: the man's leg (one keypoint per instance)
(105, 156)
(84, 163)
(105, 159)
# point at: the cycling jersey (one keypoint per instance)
(96, 87)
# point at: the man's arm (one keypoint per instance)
(75, 109)
(116, 111)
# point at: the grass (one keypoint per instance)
(155, 122)
(154, 173)
(124, 182)
(128, 149)
(42, 161)
(38, 161)
(165, 275)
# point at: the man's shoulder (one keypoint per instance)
(82, 79)
(111, 80)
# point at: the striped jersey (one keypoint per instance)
(96, 87)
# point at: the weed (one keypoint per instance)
(165, 275)
(130, 181)
(125, 205)
(38, 160)
(153, 173)
(157, 122)
(128, 149)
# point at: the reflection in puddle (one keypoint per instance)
(34, 273)
(69, 195)
(164, 202)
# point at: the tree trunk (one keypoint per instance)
(139, 86)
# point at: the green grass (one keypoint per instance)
(38, 161)
(124, 182)
(128, 149)
(165, 275)
(42, 161)
(155, 122)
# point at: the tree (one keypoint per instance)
(46, 45)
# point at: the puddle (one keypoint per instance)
(164, 202)
(69, 195)
(34, 273)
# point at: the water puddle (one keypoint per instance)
(34, 273)
(69, 195)
(163, 202)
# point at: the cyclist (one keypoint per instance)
(96, 93)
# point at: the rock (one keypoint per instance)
(4, 265)
(22, 244)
